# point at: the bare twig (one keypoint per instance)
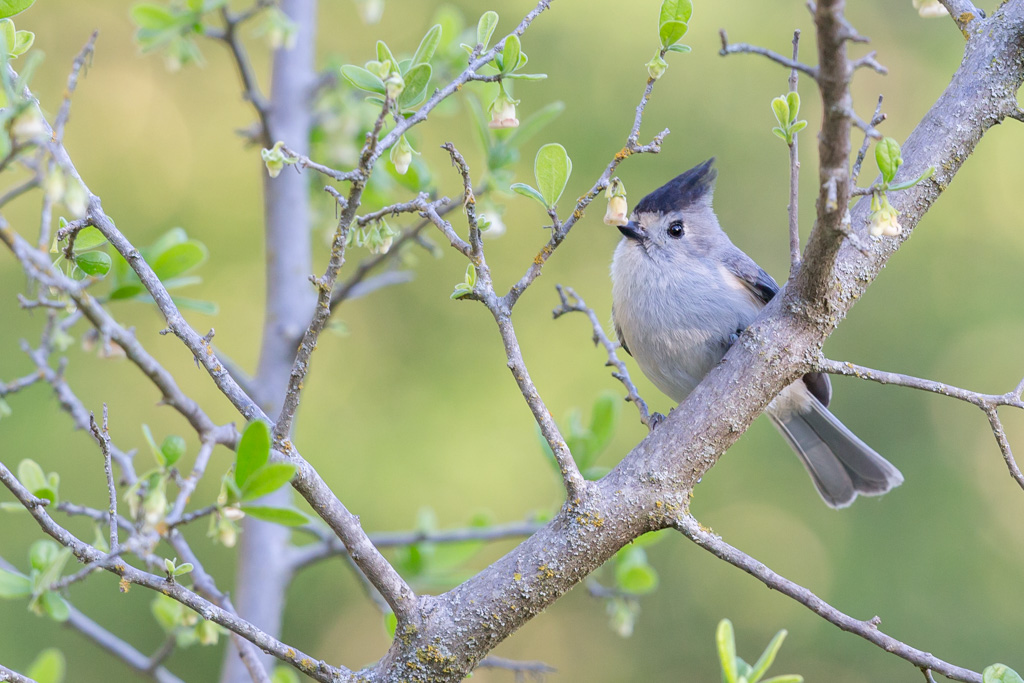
(738, 48)
(987, 402)
(868, 630)
(519, 667)
(793, 209)
(13, 676)
(876, 119)
(102, 437)
(621, 372)
(250, 86)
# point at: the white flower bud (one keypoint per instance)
(503, 112)
(401, 155)
(28, 126)
(394, 84)
(929, 8)
(615, 214)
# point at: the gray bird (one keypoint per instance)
(682, 293)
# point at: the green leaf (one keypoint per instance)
(253, 451)
(485, 28)
(390, 624)
(55, 606)
(282, 516)
(780, 108)
(888, 158)
(526, 77)
(785, 678)
(179, 259)
(88, 238)
(8, 8)
(31, 475)
(167, 612)
(552, 168)
(781, 134)
(152, 17)
(1000, 673)
(910, 183)
(267, 479)
(679, 47)
(425, 52)
(527, 191)
(533, 123)
(725, 640)
(416, 81)
(182, 569)
(172, 449)
(22, 42)
(360, 78)
(510, 55)
(284, 674)
(384, 54)
(48, 667)
(793, 103)
(633, 574)
(767, 658)
(675, 10)
(95, 263)
(797, 127)
(14, 585)
(671, 32)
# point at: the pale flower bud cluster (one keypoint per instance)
(618, 210)
(883, 218)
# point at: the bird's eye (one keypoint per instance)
(676, 229)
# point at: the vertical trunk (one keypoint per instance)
(263, 578)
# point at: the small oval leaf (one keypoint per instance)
(551, 169)
(8, 8)
(888, 158)
(88, 238)
(671, 32)
(14, 585)
(425, 52)
(485, 28)
(179, 259)
(282, 516)
(527, 191)
(95, 263)
(267, 479)
(253, 451)
(360, 78)
(510, 55)
(416, 81)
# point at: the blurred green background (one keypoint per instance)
(414, 408)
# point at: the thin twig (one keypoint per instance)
(13, 676)
(102, 437)
(876, 119)
(987, 402)
(963, 13)
(621, 372)
(868, 630)
(793, 209)
(740, 48)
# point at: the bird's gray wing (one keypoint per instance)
(760, 283)
(618, 333)
(763, 287)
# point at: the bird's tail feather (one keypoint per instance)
(840, 464)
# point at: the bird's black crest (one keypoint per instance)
(682, 191)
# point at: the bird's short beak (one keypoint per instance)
(634, 231)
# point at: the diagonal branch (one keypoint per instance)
(621, 372)
(868, 630)
(313, 668)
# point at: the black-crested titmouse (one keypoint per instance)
(682, 293)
